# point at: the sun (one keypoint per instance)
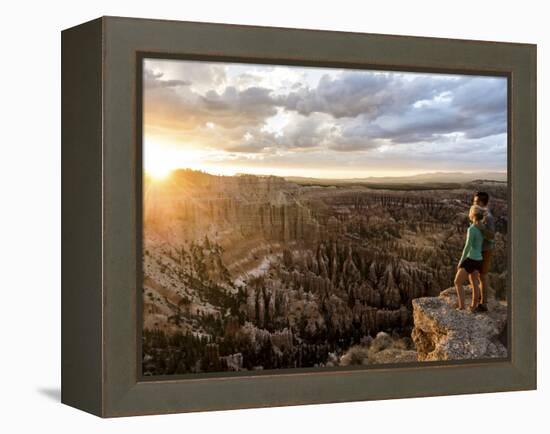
(158, 172)
(158, 160)
(161, 158)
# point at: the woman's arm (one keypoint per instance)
(467, 245)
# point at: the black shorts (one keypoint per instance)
(471, 265)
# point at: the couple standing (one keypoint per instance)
(476, 257)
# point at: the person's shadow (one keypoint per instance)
(53, 393)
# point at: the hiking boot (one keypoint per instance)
(481, 308)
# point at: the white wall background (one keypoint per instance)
(30, 214)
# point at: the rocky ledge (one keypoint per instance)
(443, 333)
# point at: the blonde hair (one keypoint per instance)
(476, 213)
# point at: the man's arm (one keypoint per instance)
(487, 233)
(488, 228)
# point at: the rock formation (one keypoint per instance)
(443, 333)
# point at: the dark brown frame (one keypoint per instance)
(101, 215)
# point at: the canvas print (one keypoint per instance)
(318, 217)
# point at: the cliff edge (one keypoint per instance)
(443, 333)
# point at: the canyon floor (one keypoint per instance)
(259, 272)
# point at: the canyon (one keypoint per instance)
(260, 272)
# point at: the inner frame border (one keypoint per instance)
(141, 56)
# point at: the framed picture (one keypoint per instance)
(258, 216)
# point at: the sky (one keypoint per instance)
(230, 118)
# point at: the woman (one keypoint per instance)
(471, 260)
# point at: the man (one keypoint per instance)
(488, 230)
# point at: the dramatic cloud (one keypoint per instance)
(154, 80)
(280, 116)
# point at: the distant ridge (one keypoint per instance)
(445, 177)
(421, 178)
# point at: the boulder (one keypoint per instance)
(381, 342)
(356, 355)
(393, 355)
(382, 349)
(443, 333)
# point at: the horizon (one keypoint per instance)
(419, 174)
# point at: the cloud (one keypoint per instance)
(153, 80)
(405, 107)
(355, 93)
(253, 102)
(282, 112)
(203, 76)
(218, 118)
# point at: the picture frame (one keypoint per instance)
(101, 215)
